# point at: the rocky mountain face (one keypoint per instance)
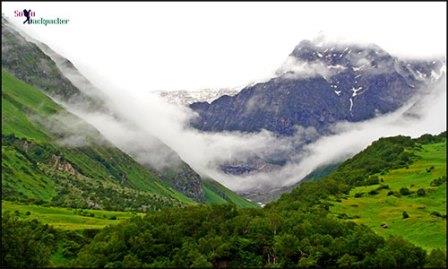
(185, 180)
(38, 65)
(319, 85)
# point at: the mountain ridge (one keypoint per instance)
(65, 84)
(318, 86)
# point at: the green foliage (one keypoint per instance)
(430, 139)
(374, 192)
(421, 192)
(438, 181)
(346, 261)
(216, 193)
(204, 236)
(436, 259)
(437, 214)
(405, 215)
(396, 253)
(405, 191)
(25, 243)
(422, 228)
(372, 180)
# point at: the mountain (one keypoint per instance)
(37, 64)
(319, 85)
(183, 97)
(46, 159)
(29, 63)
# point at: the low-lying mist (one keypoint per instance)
(141, 120)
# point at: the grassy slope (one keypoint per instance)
(24, 112)
(66, 218)
(420, 228)
(216, 193)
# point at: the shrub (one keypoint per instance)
(405, 215)
(430, 169)
(373, 180)
(421, 192)
(405, 191)
(390, 193)
(438, 181)
(436, 259)
(359, 194)
(436, 214)
(346, 261)
(373, 192)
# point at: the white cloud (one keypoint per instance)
(173, 46)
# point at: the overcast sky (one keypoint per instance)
(172, 46)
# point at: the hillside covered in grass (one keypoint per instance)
(408, 201)
(41, 165)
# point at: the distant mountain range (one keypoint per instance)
(319, 85)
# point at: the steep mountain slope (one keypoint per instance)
(40, 66)
(216, 193)
(319, 85)
(41, 164)
(29, 63)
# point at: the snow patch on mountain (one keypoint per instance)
(183, 97)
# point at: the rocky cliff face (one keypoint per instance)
(58, 163)
(185, 180)
(317, 86)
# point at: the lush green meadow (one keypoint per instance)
(67, 218)
(423, 227)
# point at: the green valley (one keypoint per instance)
(89, 181)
